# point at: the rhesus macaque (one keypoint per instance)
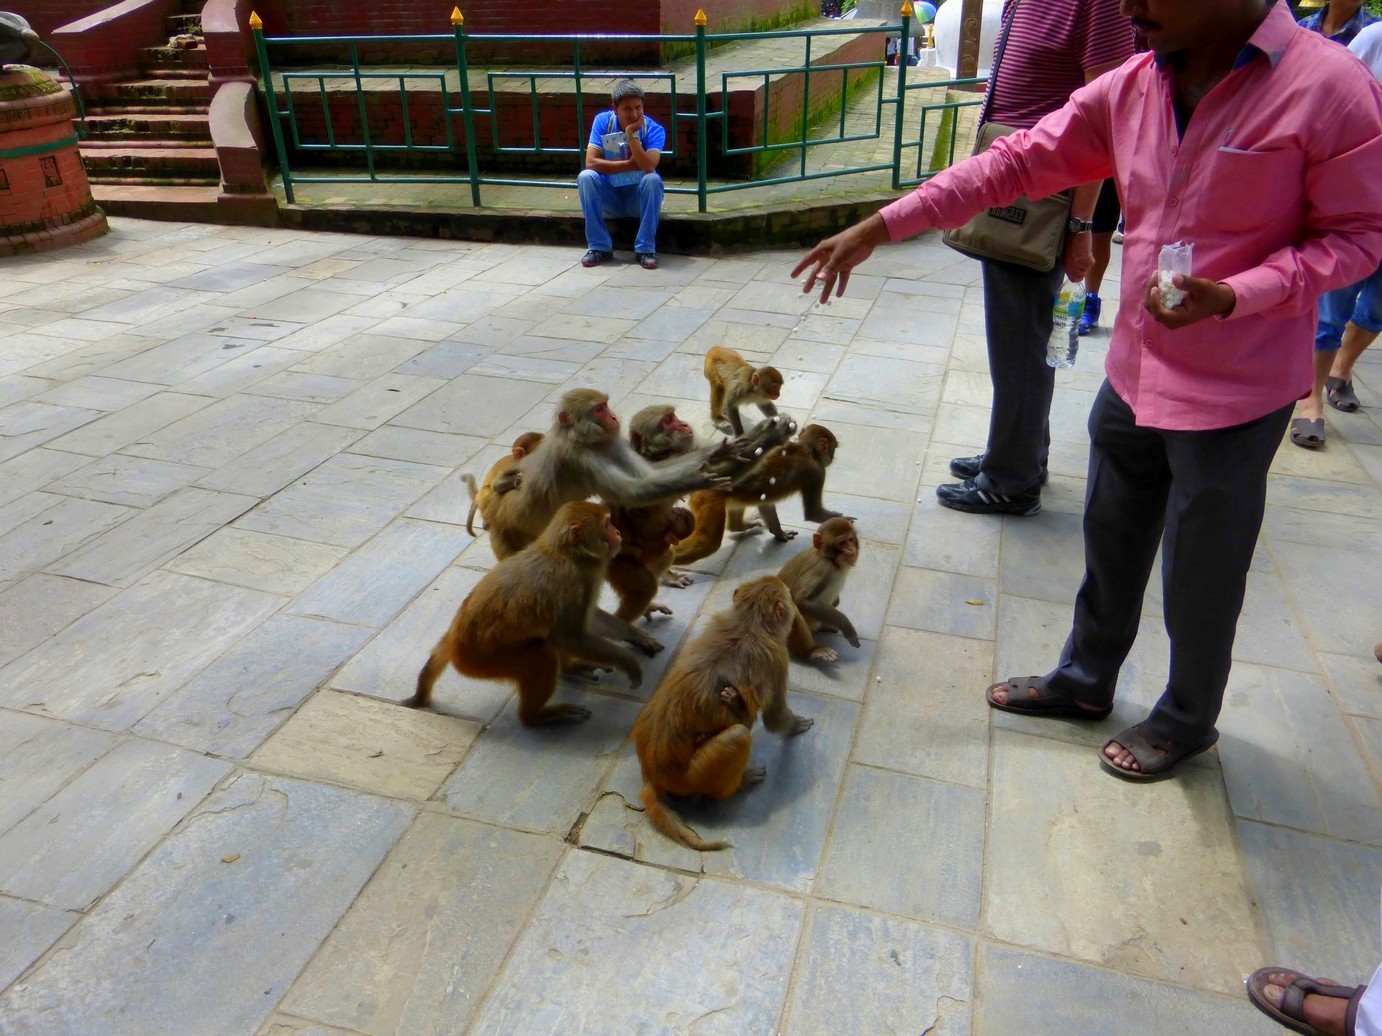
(735, 383)
(693, 736)
(502, 476)
(649, 535)
(533, 612)
(794, 467)
(583, 456)
(815, 578)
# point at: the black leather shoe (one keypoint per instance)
(968, 467)
(595, 257)
(967, 496)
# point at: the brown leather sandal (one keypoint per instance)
(1296, 988)
(1046, 703)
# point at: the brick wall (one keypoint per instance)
(725, 15)
(47, 15)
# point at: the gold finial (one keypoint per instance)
(456, 17)
(700, 17)
(907, 11)
(255, 21)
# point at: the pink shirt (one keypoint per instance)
(1277, 182)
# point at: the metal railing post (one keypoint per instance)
(467, 112)
(899, 117)
(275, 125)
(702, 138)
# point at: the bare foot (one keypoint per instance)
(1326, 1013)
(1123, 759)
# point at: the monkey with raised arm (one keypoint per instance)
(693, 737)
(815, 578)
(532, 613)
(735, 383)
(502, 476)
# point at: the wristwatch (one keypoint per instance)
(1075, 225)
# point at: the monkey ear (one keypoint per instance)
(816, 540)
(563, 417)
(575, 534)
(780, 610)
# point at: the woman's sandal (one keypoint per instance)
(1046, 703)
(1296, 986)
(1156, 756)
(1308, 432)
(1340, 394)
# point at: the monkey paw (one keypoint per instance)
(800, 725)
(656, 609)
(753, 775)
(565, 714)
(677, 580)
(824, 654)
(787, 534)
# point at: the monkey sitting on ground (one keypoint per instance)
(531, 613)
(815, 578)
(794, 467)
(735, 383)
(502, 476)
(693, 736)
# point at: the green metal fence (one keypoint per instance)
(909, 163)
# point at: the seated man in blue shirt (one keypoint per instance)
(620, 176)
(1339, 20)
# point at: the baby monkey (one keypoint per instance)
(734, 383)
(815, 578)
(502, 477)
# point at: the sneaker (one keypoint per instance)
(1089, 316)
(595, 257)
(647, 260)
(967, 496)
(969, 467)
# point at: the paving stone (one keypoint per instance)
(1044, 558)
(628, 930)
(30, 471)
(27, 424)
(343, 501)
(447, 359)
(1289, 759)
(245, 371)
(109, 668)
(870, 462)
(285, 1025)
(133, 481)
(940, 601)
(151, 537)
(950, 541)
(540, 779)
(434, 961)
(374, 746)
(1268, 632)
(778, 828)
(186, 357)
(1022, 992)
(471, 405)
(362, 357)
(37, 757)
(1313, 494)
(53, 531)
(30, 928)
(236, 702)
(258, 560)
(303, 851)
(926, 715)
(98, 393)
(1356, 681)
(217, 434)
(862, 973)
(1334, 622)
(922, 869)
(76, 845)
(528, 368)
(115, 431)
(1318, 898)
(266, 469)
(1100, 850)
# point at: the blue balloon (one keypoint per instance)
(925, 12)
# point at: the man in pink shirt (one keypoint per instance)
(1214, 138)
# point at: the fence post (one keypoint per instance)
(275, 126)
(467, 113)
(899, 117)
(702, 140)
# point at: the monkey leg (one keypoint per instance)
(709, 533)
(634, 584)
(718, 767)
(435, 665)
(734, 518)
(769, 515)
(802, 644)
(536, 673)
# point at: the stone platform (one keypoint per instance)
(231, 527)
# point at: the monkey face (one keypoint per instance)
(681, 434)
(613, 541)
(602, 414)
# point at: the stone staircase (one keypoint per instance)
(152, 135)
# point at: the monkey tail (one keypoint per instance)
(469, 481)
(434, 666)
(671, 825)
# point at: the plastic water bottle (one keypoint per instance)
(1065, 338)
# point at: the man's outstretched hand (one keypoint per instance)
(1203, 298)
(832, 260)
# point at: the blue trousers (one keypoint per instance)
(1360, 303)
(599, 199)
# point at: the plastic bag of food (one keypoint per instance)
(1174, 258)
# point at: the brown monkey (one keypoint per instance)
(533, 611)
(734, 383)
(649, 536)
(693, 736)
(501, 478)
(794, 467)
(815, 577)
(583, 456)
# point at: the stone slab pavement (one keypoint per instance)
(232, 526)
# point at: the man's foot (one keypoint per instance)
(967, 496)
(969, 467)
(1314, 1006)
(1308, 432)
(1340, 394)
(1031, 695)
(1138, 754)
(595, 257)
(647, 260)
(1089, 316)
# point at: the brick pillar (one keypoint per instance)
(45, 199)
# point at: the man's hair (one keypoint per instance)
(623, 90)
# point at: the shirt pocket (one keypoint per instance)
(1249, 190)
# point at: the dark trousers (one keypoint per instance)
(1017, 316)
(1206, 492)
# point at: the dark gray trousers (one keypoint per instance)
(1017, 317)
(1206, 491)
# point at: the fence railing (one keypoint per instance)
(910, 162)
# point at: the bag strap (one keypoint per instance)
(998, 60)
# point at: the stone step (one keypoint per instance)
(166, 57)
(158, 164)
(181, 92)
(186, 74)
(145, 143)
(157, 125)
(186, 203)
(157, 110)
